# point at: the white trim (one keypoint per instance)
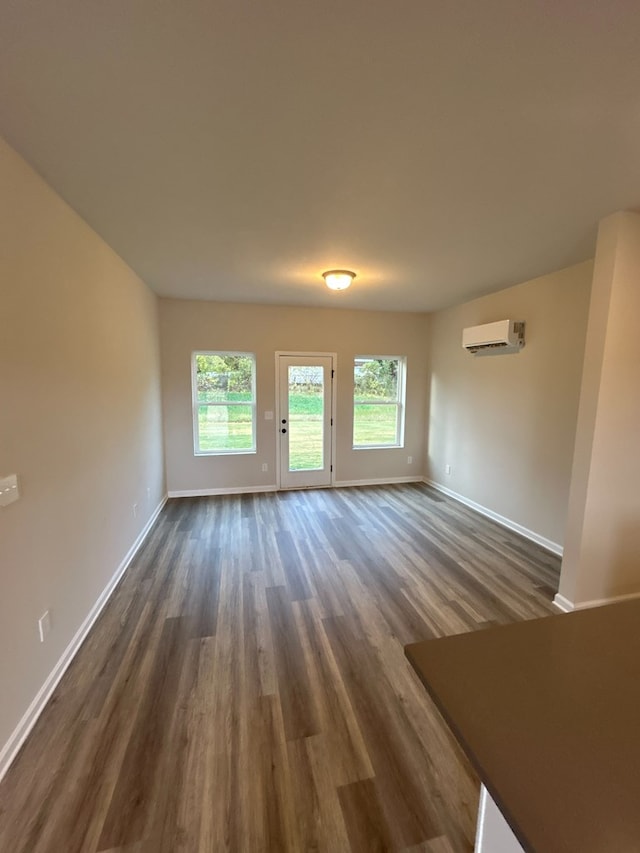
(243, 490)
(563, 604)
(195, 405)
(376, 481)
(554, 547)
(334, 400)
(377, 446)
(30, 717)
(400, 403)
(198, 453)
(231, 490)
(567, 606)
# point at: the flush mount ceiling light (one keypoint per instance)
(338, 279)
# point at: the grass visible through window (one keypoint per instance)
(225, 427)
(305, 431)
(224, 402)
(377, 392)
(374, 425)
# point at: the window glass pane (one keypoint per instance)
(375, 425)
(224, 378)
(306, 418)
(223, 428)
(375, 380)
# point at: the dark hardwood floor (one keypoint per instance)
(246, 689)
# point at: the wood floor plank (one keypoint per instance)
(226, 759)
(364, 817)
(437, 845)
(139, 785)
(274, 791)
(296, 579)
(74, 822)
(194, 831)
(346, 750)
(168, 822)
(306, 805)
(296, 696)
(392, 745)
(246, 688)
(333, 830)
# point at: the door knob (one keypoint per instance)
(283, 430)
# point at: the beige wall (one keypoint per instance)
(79, 423)
(506, 423)
(602, 556)
(264, 329)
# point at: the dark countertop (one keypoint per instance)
(548, 712)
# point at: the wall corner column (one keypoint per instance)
(602, 539)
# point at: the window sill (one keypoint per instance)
(377, 446)
(224, 452)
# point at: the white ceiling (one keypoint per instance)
(233, 150)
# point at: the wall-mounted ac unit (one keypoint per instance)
(502, 336)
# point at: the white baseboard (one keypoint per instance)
(567, 606)
(203, 493)
(377, 481)
(563, 604)
(554, 547)
(243, 490)
(29, 718)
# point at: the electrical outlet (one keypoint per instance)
(135, 510)
(265, 467)
(148, 495)
(409, 460)
(447, 469)
(44, 626)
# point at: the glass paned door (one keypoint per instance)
(305, 394)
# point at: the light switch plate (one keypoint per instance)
(268, 416)
(9, 491)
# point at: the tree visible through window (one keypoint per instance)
(378, 402)
(224, 402)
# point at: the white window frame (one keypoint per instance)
(400, 402)
(196, 404)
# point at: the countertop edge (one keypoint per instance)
(470, 754)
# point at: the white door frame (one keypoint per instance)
(334, 366)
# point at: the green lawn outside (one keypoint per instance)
(224, 396)
(305, 431)
(374, 425)
(229, 428)
(223, 428)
